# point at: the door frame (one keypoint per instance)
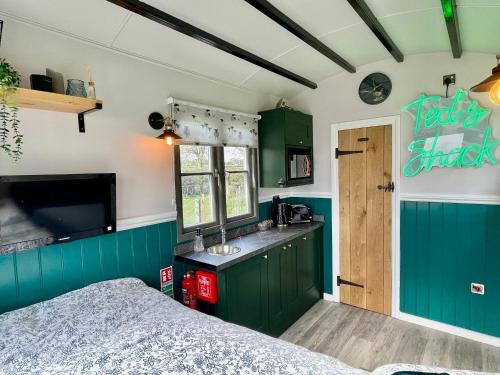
(393, 121)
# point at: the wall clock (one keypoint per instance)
(375, 88)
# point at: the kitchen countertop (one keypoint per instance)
(250, 244)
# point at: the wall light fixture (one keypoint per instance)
(491, 84)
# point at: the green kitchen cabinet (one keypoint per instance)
(284, 287)
(298, 128)
(310, 269)
(246, 293)
(277, 287)
(295, 274)
(271, 290)
(283, 133)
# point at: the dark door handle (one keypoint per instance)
(389, 188)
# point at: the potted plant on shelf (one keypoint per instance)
(11, 139)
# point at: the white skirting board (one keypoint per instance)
(329, 297)
(453, 330)
(443, 327)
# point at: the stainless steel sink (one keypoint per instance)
(223, 250)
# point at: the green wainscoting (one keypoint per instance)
(445, 247)
(319, 206)
(39, 274)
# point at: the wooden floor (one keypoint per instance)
(366, 340)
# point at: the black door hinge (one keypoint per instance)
(346, 282)
(342, 153)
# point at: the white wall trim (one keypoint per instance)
(451, 198)
(396, 147)
(142, 221)
(329, 297)
(298, 194)
(462, 332)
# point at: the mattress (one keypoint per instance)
(122, 326)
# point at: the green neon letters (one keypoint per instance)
(434, 116)
(461, 111)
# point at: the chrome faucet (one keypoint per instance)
(222, 234)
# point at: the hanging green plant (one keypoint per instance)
(11, 139)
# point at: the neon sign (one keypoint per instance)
(450, 132)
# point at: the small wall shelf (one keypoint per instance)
(50, 101)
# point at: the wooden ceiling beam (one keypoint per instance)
(283, 20)
(181, 26)
(451, 19)
(372, 22)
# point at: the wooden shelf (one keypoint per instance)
(50, 101)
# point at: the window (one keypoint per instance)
(214, 186)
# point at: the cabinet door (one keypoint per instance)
(309, 270)
(247, 293)
(272, 163)
(278, 321)
(298, 129)
(292, 285)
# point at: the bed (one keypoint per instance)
(123, 326)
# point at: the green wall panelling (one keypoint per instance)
(319, 206)
(39, 274)
(445, 247)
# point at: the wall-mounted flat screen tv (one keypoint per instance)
(40, 210)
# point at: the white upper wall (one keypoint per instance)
(337, 100)
(416, 26)
(118, 138)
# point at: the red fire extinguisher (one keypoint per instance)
(189, 290)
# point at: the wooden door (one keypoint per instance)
(365, 217)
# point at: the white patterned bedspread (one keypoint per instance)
(122, 326)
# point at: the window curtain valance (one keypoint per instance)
(202, 124)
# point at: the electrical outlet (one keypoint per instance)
(477, 288)
(449, 79)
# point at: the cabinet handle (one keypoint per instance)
(300, 142)
(265, 256)
(289, 245)
(284, 247)
(304, 238)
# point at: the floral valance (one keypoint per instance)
(200, 124)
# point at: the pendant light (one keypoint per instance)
(157, 121)
(491, 84)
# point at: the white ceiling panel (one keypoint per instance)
(309, 63)
(356, 44)
(149, 39)
(418, 32)
(273, 84)
(492, 3)
(94, 20)
(382, 8)
(319, 16)
(234, 21)
(480, 28)
(416, 26)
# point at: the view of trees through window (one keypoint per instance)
(197, 184)
(237, 186)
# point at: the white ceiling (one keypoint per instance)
(416, 26)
